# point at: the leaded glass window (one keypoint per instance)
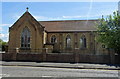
(68, 42)
(25, 38)
(83, 42)
(53, 39)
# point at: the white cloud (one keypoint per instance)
(1, 25)
(56, 18)
(1, 29)
(47, 18)
(41, 17)
(69, 17)
(4, 37)
(89, 15)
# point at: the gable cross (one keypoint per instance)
(27, 9)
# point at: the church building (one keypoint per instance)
(62, 36)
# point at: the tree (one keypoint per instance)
(2, 45)
(109, 31)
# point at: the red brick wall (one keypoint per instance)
(66, 58)
(58, 57)
(8, 56)
(94, 58)
(117, 59)
(29, 57)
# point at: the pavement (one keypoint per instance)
(62, 65)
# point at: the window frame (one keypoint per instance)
(25, 38)
(68, 41)
(53, 39)
(83, 42)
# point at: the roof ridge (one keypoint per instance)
(68, 20)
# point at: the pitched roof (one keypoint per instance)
(25, 16)
(69, 25)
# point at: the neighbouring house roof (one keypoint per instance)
(69, 25)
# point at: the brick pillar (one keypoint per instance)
(76, 55)
(112, 56)
(44, 54)
(14, 56)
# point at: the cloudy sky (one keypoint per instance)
(44, 11)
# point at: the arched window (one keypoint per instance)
(83, 42)
(53, 39)
(25, 38)
(68, 42)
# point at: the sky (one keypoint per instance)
(46, 11)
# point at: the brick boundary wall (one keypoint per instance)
(61, 57)
(117, 59)
(94, 58)
(29, 57)
(8, 56)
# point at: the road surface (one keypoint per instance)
(22, 71)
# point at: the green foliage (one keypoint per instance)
(109, 31)
(2, 44)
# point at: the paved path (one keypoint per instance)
(61, 65)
